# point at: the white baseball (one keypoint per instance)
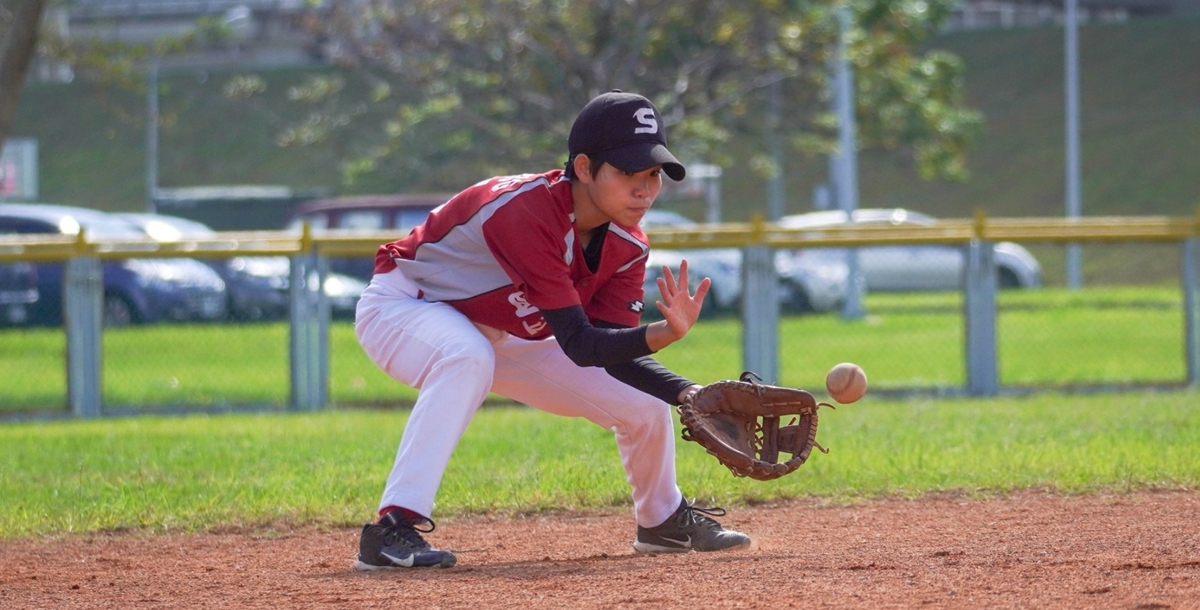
(846, 382)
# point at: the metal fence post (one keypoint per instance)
(1191, 309)
(298, 335)
(853, 309)
(305, 327)
(760, 310)
(321, 383)
(83, 296)
(979, 307)
(760, 315)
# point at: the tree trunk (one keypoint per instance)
(19, 21)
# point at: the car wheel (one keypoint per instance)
(117, 311)
(244, 312)
(796, 298)
(1007, 278)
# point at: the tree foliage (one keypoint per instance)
(494, 84)
(498, 82)
(111, 63)
(19, 21)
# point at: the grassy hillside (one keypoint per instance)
(1140, 129)
(92, 139)
(1140, 126)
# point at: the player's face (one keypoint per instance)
(625, 197)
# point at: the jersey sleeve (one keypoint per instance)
(533, 250)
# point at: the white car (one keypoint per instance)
(722, 265)
(816, 288)
(904, 267)
(800, 290)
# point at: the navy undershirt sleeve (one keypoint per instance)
(651, 377)
(588, 345)
(622, 351)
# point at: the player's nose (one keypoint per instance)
(647, 186)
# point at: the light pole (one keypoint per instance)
(845, 183)
(151, 136)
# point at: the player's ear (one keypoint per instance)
(583, 168)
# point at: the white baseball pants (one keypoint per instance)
(454, 364)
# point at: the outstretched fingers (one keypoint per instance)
(679, 307)
(682, 287)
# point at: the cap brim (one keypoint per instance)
(642, 156)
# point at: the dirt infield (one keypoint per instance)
(1027, 550)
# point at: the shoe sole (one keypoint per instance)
(362, 566)
(737, 547)
(366, 567)
(645, 548)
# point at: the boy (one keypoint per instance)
(530, 286)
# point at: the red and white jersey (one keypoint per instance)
(505, 248)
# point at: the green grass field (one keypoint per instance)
(282, 470)
(1047, 338)
(273, 472)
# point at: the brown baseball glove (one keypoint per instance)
(739, 423)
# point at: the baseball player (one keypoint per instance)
(530, 286)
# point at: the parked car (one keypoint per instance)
(257, 286)
(396, 214)
(18, 291)
(905, 267)
(138, 290)
(722, 265)
(810, 289)
(799, 290)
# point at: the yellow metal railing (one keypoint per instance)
(1064, 230)
(726, 235)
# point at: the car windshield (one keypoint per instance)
(170, 229)
(867, 217)
(662, 218)
(264, 266)
(407, 219)
(109, 228)
(315, 222)
(366, 220)
(814, 219)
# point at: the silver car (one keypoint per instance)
(258, 285)
(722, 265)
(810, 288)
(905, 267)
(800, 290)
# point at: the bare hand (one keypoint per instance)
(680, 309)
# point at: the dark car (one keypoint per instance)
(139, 290)
(396, 214)
(18, 291)
(257, 285)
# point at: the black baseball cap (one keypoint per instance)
(625, 131)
